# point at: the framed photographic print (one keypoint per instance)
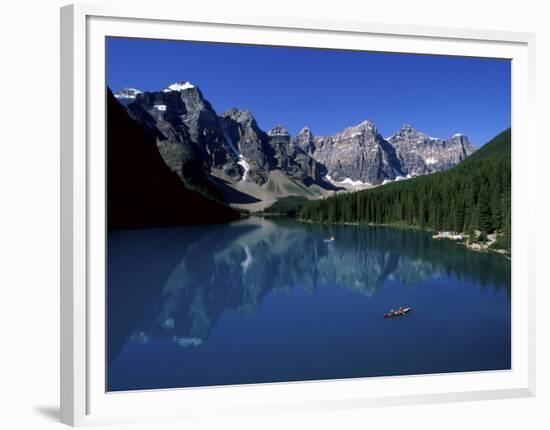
(271, 214)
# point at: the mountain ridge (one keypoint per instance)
(203, 147)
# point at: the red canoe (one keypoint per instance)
(397, 313)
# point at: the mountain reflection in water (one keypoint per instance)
(270, 300)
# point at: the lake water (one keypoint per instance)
(270, 300)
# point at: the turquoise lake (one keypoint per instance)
(270, 300)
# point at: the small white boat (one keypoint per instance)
(331, 239)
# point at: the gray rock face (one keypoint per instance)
(188, 132)
(357, 153)
(127, 96)
(279, 140)
(360, 153)
(185, 116)
(292, 159)
(420, 154)
(196, 143)
(249, 143)
(305, 140)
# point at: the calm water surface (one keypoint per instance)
(270, 300)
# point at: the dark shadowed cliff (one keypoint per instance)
(142, 191)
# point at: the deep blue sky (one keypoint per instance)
(326, 90)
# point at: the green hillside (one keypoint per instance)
(290, 206)
(474, 195)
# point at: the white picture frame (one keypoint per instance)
(83, 397)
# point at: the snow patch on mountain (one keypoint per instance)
(178, 86)
(396, 179)
(242, 162)
(348, 181)
(127, 93)
(246, 167)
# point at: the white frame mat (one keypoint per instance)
(84, 400)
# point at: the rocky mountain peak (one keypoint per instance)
(366, 124)
(364, 128)
(420, 154)
(127, 96)
(463, 142)
(243, 117)
(407, 130)
(304, 140)
(459, 137)
(189, 94)
(278, 130)
(305, 130)
(407, 134)
(127, 93)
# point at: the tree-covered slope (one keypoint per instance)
(290, 206)
(475, 195)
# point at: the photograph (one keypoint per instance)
(282, 214)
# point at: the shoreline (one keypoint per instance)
(475, 246)
(370, 224)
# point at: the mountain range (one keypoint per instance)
(230, 158)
